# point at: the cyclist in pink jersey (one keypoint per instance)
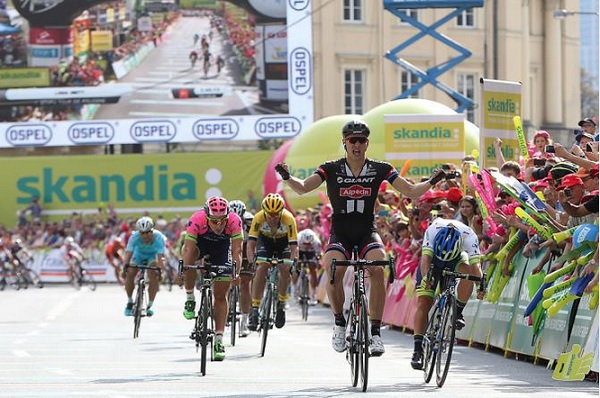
(215, 232)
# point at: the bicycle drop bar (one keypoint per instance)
(361, 263)
(468, 277)
(142, 266)
(204, 267)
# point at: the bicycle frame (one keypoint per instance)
(438, 341)
(268, 305)
(203, 333)
(140, 296)
(357, 328)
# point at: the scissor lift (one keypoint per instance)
(397, 7)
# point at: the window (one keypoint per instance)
(408, 80)
(466, 86)
(353, 10)
(411, 13)
(354, 83)
(466, 19)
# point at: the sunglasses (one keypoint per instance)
(146, 232)
(354, 140)
(216, 220)
(272, 215)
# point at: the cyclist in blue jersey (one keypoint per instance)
(447, 244)
(146, 245)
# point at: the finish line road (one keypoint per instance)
(59, 342)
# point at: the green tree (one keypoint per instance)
(589, 95)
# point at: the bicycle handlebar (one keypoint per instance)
(468, 277)
(362, 263)
(204, 267)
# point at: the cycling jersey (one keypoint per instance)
(470, 242)
(146, 252)
(112, 248)
(216, 246)
(286, 230)
(353, 203)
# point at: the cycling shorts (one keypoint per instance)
(428, 289)
(269, 248)
(218, 252)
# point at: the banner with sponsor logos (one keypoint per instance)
(174, 183)
(501, 101)
(428, 140)
(24, 77)
(142, 131)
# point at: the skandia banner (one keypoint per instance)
(427, 140)
(500, 102)
(165, 183)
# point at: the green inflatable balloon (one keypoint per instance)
(322, 141)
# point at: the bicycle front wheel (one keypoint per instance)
(352, 349)
(203, 313)
(304, 297)
(138, 308)
(265, 319)
(446, 340)
(363, 346)
(33, 278)
(233, 314)
(430, 346)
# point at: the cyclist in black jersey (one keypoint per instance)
(352, 186)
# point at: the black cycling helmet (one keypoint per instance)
(356, 127)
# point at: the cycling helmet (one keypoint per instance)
(238, 207)
(273, 203)
(447, 244)
(306, 236)
(216, 206)
(144, 224)
(69, 240)
(356, 127)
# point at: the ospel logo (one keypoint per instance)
(29, 135)
(355, 192)
(299, 5)
(300, 71)
(91, 133)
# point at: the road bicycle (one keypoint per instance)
(303, 286)
(141, 295)
(438, 341)
(79, 275)
(268, 306)
(358, 336)
(204, 326)
(234, 316)
(8, 277)
(25, 275)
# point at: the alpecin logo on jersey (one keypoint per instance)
(355, 192)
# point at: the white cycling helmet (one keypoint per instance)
(144, 224)
(306, 236)
(238, 207)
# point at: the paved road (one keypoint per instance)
(58, 342)
(168, 67)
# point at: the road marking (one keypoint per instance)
(62, 306)
(20, 353)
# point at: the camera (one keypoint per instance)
(541, 172)
(588, 147)
(539, 162)
(550, 149)
(568, 192)
(452, 175)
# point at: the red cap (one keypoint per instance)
(570, 180)
(454, 195)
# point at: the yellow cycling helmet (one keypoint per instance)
(273, 203)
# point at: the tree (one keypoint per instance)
(589, 95)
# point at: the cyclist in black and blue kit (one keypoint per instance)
(352, 186)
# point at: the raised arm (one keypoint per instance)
(299, 186)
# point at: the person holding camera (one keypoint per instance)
(352, 186)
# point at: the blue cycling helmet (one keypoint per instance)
(447, 244)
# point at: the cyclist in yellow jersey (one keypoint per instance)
(273, 232)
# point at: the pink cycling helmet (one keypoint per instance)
(216, 206)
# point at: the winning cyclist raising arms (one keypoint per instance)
(352, 186)
(216, 232)
(146, 245)
(273, 232)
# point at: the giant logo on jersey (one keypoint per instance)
(355, 192)
(347, 180)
